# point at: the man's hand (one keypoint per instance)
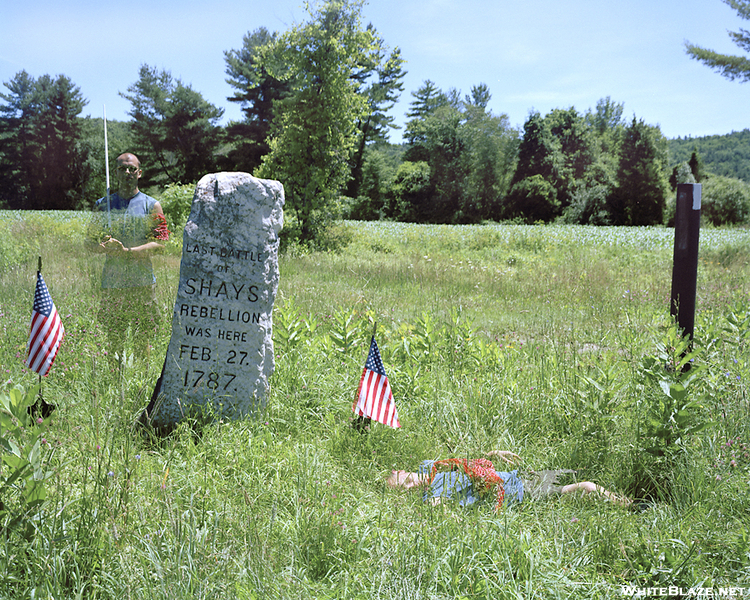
(113, 246)
(506, 456)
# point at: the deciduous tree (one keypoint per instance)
(314, 132)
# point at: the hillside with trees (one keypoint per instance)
(727, 155)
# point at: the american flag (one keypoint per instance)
(46, 330)
(374, 396)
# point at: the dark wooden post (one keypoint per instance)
(685, 265)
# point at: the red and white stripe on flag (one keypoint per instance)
(47, 330)
(374, 396)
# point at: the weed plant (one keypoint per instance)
(553, 342)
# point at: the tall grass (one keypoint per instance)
(494, 337)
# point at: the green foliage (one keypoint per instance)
(559, 149)
(673, 414)
(728, 65)
(256, 91)
(443, 145)
(641, 191)
(533, 199)
(381, 84)
(410, 192)
(345, 332)
(589, 206)
(492, 149)
(727, 155)
(725, 201)
(43, 164)
(175, 130)
(470, 152)
(22, 470)
(427, 99)
(176, 200)
(377, 179)
(314, 131)
(16, 249)
(536, 152)
(288, 328)
(672, 410)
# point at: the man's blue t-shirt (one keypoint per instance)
(129, 224)
(457, 485)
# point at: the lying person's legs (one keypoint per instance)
(588, 487)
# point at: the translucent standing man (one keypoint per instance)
(128, 227)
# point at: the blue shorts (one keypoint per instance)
(457, 485)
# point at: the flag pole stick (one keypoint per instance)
(38, 271)
(106, 166)
(40, 406)
(361, 423)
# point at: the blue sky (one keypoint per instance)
(533, 54)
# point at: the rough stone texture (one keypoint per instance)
(220, 355)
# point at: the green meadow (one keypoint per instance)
(552, 341)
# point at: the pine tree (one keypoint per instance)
(255, 91)
(641, 191)
(728, 65)
(39, 121)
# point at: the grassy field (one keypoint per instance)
(554, 342)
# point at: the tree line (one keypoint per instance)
(315, 102)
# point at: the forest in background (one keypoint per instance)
(316, 101)
(727, 155)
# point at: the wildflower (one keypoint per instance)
(111, 474)
(718, 478)
(574, 520)
(39, 420)
(137, 457)
(733, 463)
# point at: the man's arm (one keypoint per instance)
(115, 246)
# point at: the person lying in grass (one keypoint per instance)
(468, 481)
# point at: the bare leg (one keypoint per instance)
(587, 487)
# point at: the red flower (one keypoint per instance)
(158, 229)
(480, 472)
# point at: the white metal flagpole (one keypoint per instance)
(106, 167)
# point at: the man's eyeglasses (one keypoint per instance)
(128, 169)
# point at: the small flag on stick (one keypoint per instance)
(46, 330)
(374, 397)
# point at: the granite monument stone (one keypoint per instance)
(220, 355)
